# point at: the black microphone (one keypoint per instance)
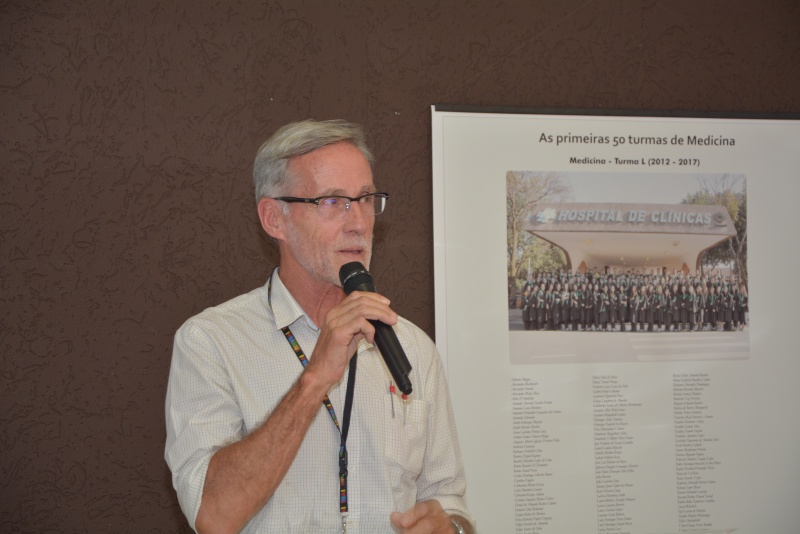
(355, 277)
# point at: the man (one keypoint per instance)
(250, 443)
(635, 303)
(613, 307)
(622, 307)
(557, 307)
(575, 297)
(527, 309)
(541, 315)
(726, 308)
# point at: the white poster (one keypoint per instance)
(617, 307)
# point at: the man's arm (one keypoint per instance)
(242, 476)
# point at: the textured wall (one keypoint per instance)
(125, 197)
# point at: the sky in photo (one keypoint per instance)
(635, 187)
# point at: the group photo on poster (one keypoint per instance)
(671, 258)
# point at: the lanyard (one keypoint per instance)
(348, 407)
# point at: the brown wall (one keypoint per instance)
(125, 196)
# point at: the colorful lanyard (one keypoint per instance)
(348, 407)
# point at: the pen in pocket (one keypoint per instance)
(391, 395)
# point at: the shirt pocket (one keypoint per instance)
(407, 439)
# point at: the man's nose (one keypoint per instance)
(355, 218)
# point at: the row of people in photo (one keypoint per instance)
(612, 305)
(639, 278)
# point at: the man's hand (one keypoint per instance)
(426, 517)
(342, 328)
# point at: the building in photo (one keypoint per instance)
(628, 236)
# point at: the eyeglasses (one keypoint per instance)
(332, 207)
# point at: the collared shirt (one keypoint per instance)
(232, 365)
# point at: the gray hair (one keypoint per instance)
(270, 175)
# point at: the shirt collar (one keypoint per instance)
(287, 311)
(285, 308)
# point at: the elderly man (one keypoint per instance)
(262, 432)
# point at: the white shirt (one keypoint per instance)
(232, 365)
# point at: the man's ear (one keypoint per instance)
(272, 217)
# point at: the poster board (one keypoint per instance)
(561, 433)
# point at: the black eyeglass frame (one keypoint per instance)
(317, 200)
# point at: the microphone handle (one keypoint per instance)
(393, 354)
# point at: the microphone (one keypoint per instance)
(355, 277)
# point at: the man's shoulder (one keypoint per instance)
(242, 309)
(411, 328)
(414, 339)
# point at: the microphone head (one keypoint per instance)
(355, 277)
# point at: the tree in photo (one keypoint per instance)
(525, 190)
(727, 190)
